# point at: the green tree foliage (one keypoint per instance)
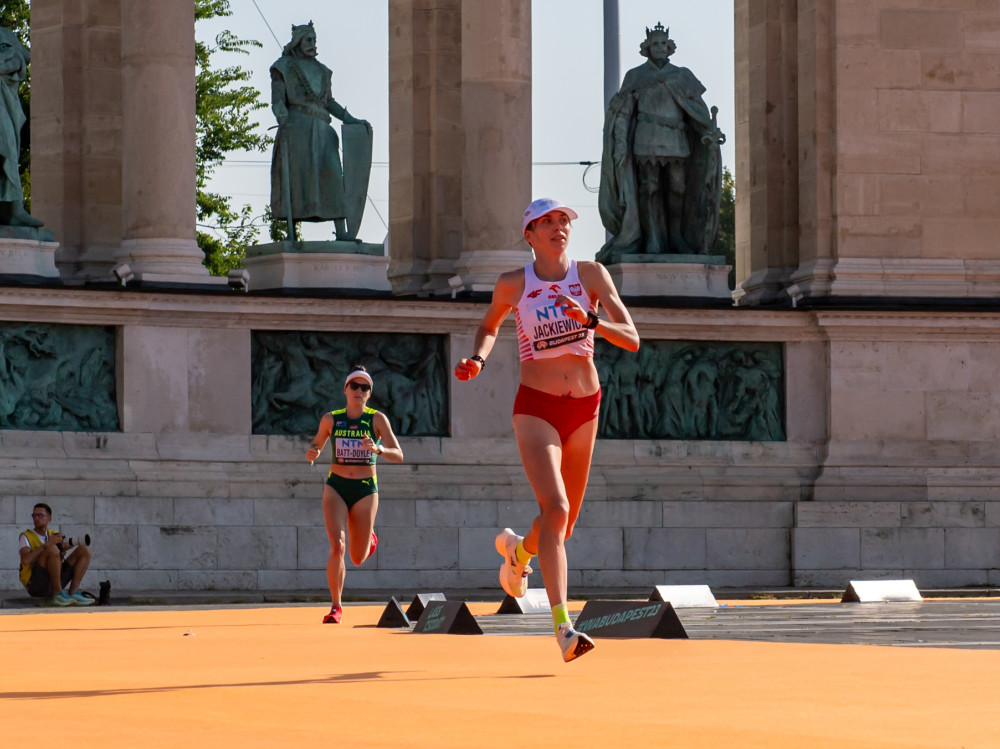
(725, 241)
(224, 106)
(14, 15)
(278, 227)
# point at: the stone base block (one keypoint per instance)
(176, 279)
(28, 253)
(696, 276)
(164, 260)
(924, 278)
(479, 271)
(318, 265)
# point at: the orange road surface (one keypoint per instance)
(276, 677)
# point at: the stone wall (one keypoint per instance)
(888, 469)
(909, 480)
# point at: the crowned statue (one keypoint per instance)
(661, 170)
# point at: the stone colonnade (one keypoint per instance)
(113, 143)
(866, 139)
(113, 136)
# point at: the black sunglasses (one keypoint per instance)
(364, 387)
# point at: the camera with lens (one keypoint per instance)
(71, 542)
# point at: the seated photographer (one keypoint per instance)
(46, 568)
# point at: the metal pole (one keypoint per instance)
(612, 54)
(612, 59)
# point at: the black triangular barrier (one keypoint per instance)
(534, 601)
(416, 607)
(447, 618)
(630, 619)
(393, 616)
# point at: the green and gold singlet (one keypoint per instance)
(349, 438)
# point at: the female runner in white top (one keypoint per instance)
(555, 414)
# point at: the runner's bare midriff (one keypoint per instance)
(575, 376)
(353, 472)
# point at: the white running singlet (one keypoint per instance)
(543, 331)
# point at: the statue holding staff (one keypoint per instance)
(308, 181)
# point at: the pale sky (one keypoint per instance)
(567, 89)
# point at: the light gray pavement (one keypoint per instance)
(971, 623)
(968, 623)
(18, 598)
(964, 618)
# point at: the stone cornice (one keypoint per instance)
(229, 309)
(925, 326)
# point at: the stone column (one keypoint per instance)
(101, 157)
(158, 182)
(766, 149)
(917, 143)
(895, 151)
(425, 144)
(817, 150)
(76, 131)
(56, 103)
(496, 117)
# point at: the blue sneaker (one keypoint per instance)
(81, 600)
(63, 599)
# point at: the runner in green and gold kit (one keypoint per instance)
(360, 436)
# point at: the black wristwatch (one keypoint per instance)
(478, 358)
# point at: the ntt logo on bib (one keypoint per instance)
(352, 449)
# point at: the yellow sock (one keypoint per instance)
(523, 556)
(559, 616)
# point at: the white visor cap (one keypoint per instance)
(538, 208)
(359, 374)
